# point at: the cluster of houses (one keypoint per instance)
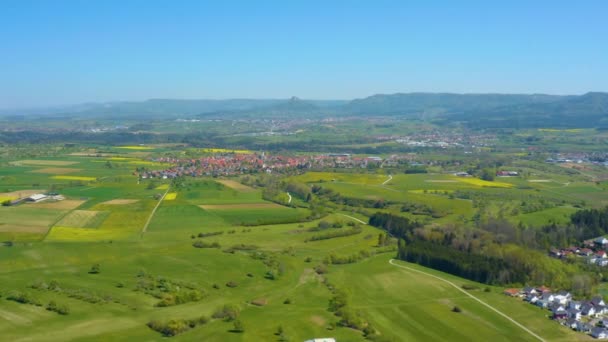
(587, 316)
(228, 164)
(443, 139)
(594, 251)
(507, 173)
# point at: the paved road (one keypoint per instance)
(470, 295)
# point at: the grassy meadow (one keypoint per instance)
(222, 240)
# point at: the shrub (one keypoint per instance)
(60, 309)
(23, 298)
(321, 269)
(238, 326)
(456, 309)
(203, 244)
(232, 284)
(228, 312)
(95, 269)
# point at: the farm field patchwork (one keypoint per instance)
(57, 170)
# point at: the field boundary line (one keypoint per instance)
(48, 232)
(145, 228)
(473, 297)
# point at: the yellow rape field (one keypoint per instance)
(171, 196)
(81, 178)
(483, 183)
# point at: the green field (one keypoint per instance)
(242, 238)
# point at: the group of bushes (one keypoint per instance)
(203, 244)
(176, 326)
(80, 294)
(203, 235)
(336, 234)
(339, 304)
(241, 247)
(169, 292)
(180, 297)
(26, 298)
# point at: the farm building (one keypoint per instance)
(323, 339)
(37, 198)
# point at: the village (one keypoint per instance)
(585, 316)
(593, 251)
(229, 164)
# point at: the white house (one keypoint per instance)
(37, 198)
(601, 241)
(562, 297)
(574, 305)
(597, 300)
(574, 314)
(323, 339)
(587, 310)
(599, 333)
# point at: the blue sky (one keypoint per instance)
(60, 52)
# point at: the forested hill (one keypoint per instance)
(438, 104)
(472, 110)
(491, 110)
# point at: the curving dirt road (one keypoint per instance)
(470, 295)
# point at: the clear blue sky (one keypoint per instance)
(60, 52)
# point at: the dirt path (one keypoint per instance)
(390, 178)
(154, 212)
(470, 295)
(354, 218)
(289, 201)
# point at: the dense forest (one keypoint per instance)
(494, 253)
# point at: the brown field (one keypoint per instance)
(14, 228)
(120, 201)
(21, 193)
(44, 162)
(61, 205)
(56, 170)
(240, 206)
(235, 185)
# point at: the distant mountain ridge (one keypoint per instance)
(475, 110)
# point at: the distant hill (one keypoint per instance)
(588, 110)
(415, 104)
(472, 110)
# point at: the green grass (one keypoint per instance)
(256, 217)
(403, 305)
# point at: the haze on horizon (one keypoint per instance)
(66, 52)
